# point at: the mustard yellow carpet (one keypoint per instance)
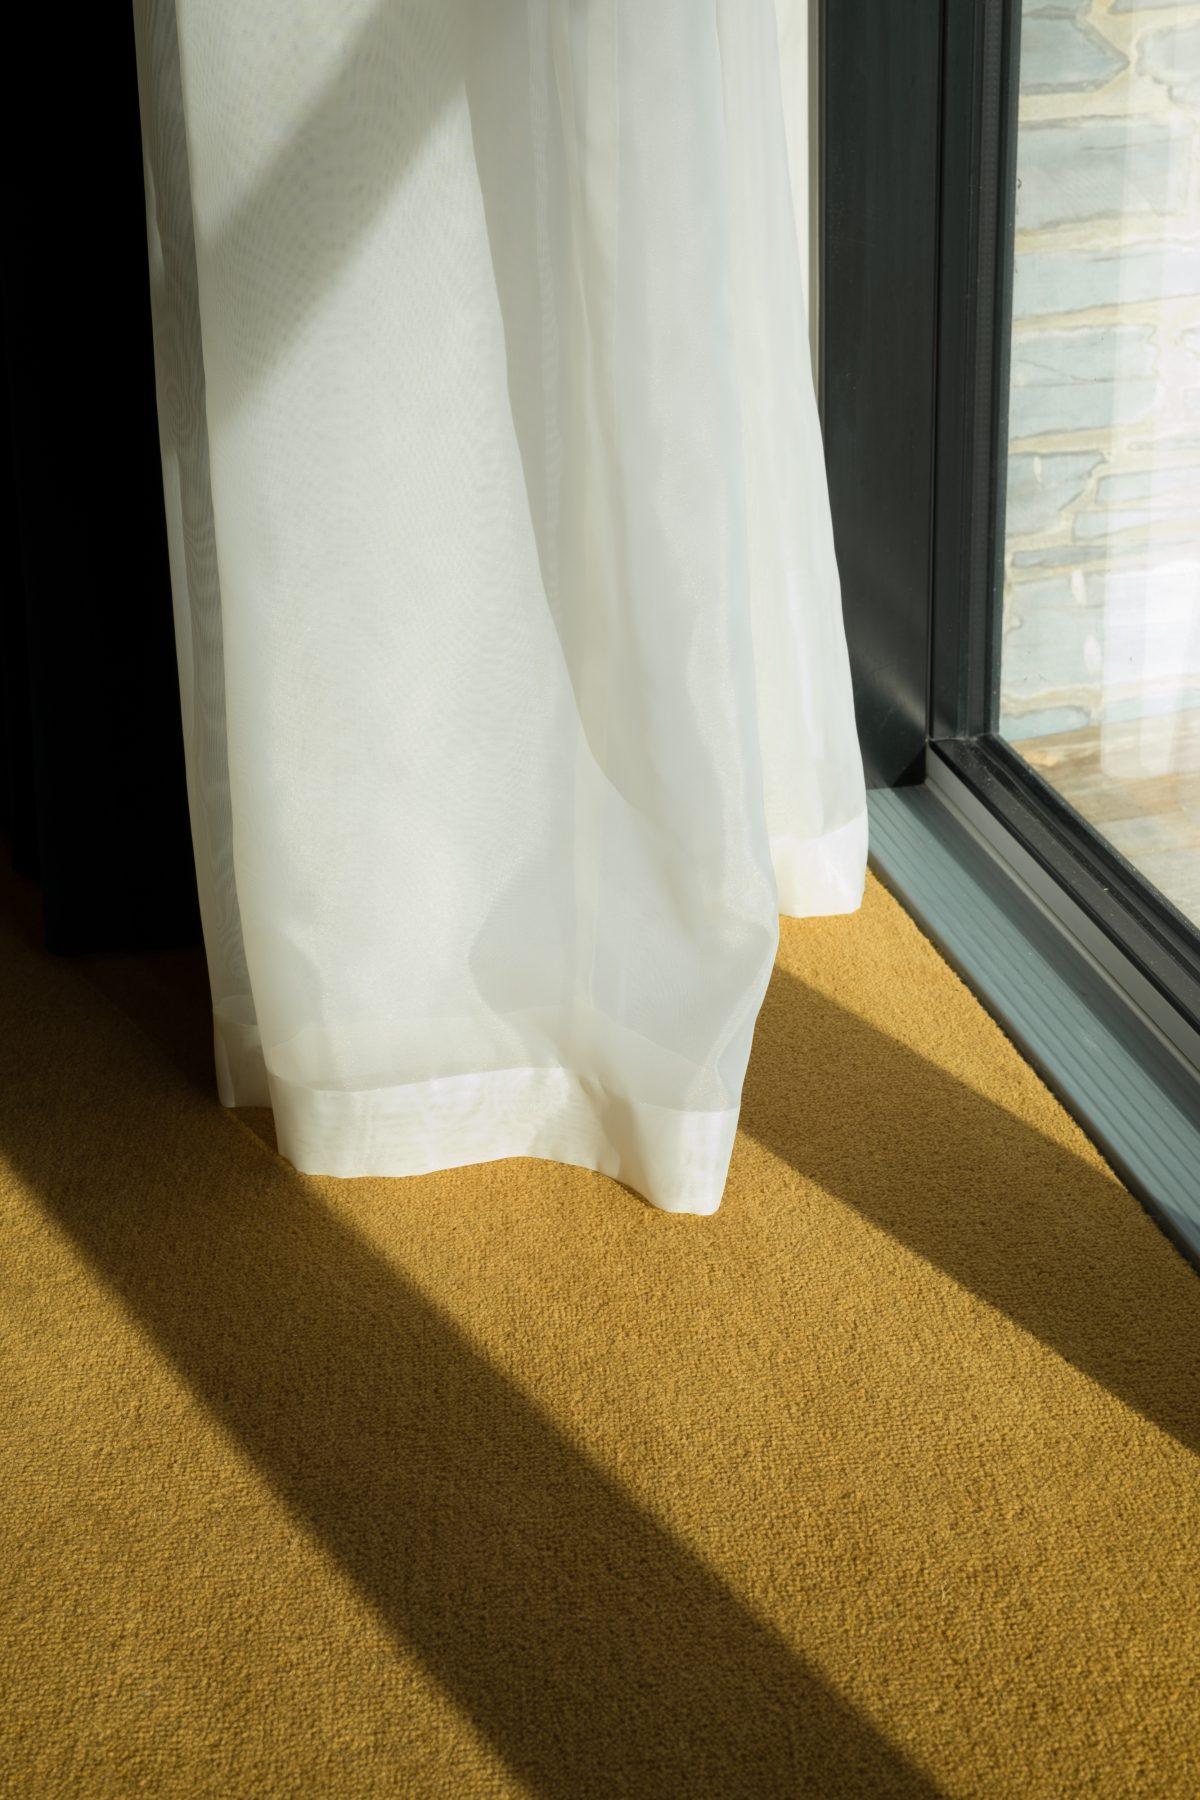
(885, 1480)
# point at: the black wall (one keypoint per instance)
(91, 757)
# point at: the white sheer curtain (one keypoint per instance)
(514, 679)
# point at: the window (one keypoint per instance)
(1010, 382)
(1099, 687)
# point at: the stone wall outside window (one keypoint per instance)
(1102, 587)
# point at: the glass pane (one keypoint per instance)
(1100, 665)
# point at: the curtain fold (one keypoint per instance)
(515, 689)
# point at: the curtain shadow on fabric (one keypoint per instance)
(592, 1647)
(272, 232)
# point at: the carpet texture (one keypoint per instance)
(884, 1480)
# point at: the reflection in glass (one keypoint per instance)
(1100, 667)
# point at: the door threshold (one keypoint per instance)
(1113, 1068)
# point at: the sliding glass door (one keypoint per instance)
(1010, 350)
(1099, 666)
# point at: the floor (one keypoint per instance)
(884, 1480)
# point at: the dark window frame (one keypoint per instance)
(917, 180)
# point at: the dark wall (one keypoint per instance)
(94, 803)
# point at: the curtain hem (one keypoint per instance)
(678, 1160)
(820, 876)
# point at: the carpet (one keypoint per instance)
(884, 1480)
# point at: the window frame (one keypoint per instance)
(917, 181)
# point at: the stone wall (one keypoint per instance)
(1102, 579)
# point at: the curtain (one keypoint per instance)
(515, 690)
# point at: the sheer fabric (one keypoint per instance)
(514, 681)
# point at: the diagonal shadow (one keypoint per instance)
(593, 1648)
(287, 240)
(1012, 1216)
